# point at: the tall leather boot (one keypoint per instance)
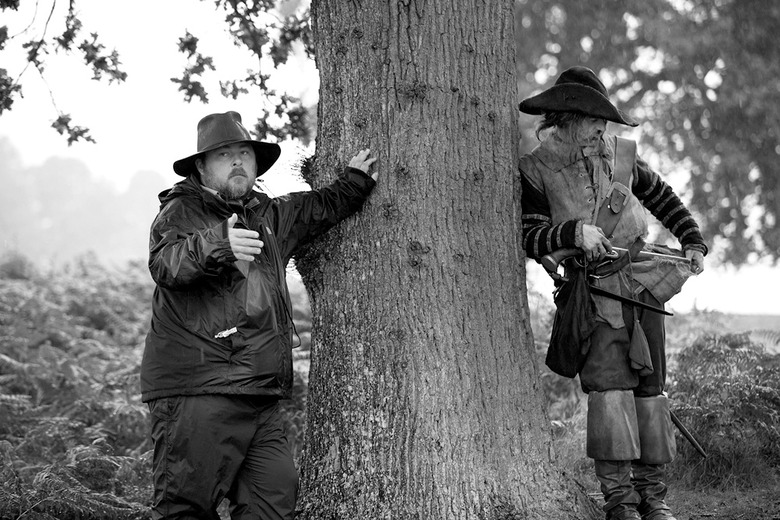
(656, 435)
(613, 442)
(648, 481)
(621, 500)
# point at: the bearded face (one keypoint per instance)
(573, 128)
(230, 170)
(583, 131)
(588, 131)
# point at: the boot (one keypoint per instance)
(624, 514)
(648, 482)
(620, 499)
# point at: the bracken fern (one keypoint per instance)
(727, 390)
(74, 435)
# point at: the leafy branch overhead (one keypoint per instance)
(64, 126)
(189, 83)
(9, 4)
(265, 29)
(103, 64)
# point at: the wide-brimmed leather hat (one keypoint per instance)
(217, 130)
(579, 90)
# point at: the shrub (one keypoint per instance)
(726, 390)
(16, 266)
(74, 436)
(684, 329)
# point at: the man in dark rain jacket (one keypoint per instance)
(218, 355)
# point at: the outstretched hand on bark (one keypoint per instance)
(363, 161)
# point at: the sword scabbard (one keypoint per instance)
(628, 301)
(687, 434)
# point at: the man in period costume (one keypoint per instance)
(218, 354)
(586, 190)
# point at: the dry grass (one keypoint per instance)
(757, 504)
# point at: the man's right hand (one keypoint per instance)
(244, 242)
(594, 243)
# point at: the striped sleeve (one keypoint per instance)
(659, 198)
(540, 237)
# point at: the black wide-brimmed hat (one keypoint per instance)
(577, 89)
(217, 130)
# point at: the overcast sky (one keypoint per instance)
(144, 124)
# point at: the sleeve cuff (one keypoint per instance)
(701, 248)
(225, 251)
(578, 239)
(350, 171)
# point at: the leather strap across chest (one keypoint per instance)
(610, 210)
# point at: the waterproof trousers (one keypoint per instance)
(211, 447)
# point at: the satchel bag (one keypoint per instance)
(575, 320)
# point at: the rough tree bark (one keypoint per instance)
(424, 397)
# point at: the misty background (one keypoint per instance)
(59, 210)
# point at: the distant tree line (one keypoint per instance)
(56, 211)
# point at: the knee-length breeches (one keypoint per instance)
(607, 366)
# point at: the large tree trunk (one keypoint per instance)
(424, 397)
